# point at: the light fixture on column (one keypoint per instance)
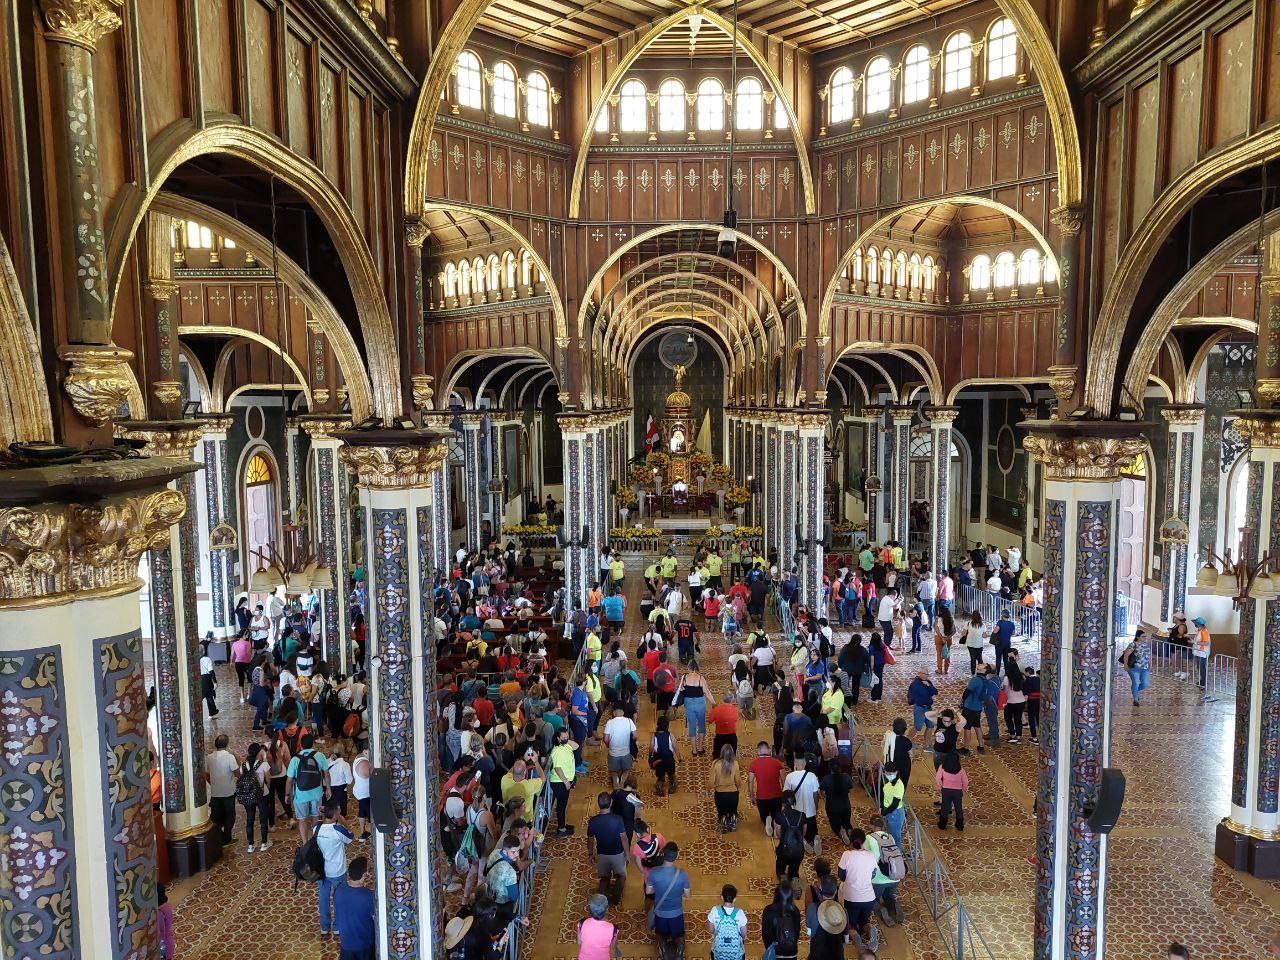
(1239, 579)
(224, 537)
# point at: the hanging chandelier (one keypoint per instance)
(293, 565)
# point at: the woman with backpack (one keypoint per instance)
(664, 756)
(728, 925)
(891, 869)
(278, 757)
(252, 792)
(789, 827)
(944, 638)
(780, 925)
(481, 832)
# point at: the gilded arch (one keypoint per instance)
(217, 386)
(24, 397)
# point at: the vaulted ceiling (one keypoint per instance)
(573, 26)
(955, 222)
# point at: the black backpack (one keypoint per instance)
(791, 843)
(308, 861)
(248, 787)
(310, 776)
(788, 931)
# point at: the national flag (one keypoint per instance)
(650, 435)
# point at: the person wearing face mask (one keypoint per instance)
(946, 736)
(561, 770)
(893, 796)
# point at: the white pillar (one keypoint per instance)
(899, 483)
(472, 482)
(812, 432)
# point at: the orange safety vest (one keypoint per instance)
(1202, 642)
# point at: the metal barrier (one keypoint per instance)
(990, 606)
(1128, 615)
(1176, 662)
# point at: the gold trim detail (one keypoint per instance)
(423, 391)
(73, 549)
(1260, 431)
(1069, 219)
(162, 290)
(176, 440)
(1083, 457)
(1254, 832)
(941, 415)
(395, 468)
(167, 392)
(98, 381)
(80, 22)
(323, 427)
(1183, 416)
(416, 232)
(1062, 381)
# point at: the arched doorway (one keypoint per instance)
(1131, 541)
(260, 507)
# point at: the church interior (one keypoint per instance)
(392, 362)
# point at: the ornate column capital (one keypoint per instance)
(1260, 427)
(902, 413)
(393, 460)
(80, 22)
(1069, 219)
(423, 391)
(320, 426)
(1183, 415)
(941, 416)
(161, 289)
(1062, 381)
(163, 438)
(98, 380)
(471, 420)
(416, 232)
(217, 422)
(166, 392)
(1092, 450)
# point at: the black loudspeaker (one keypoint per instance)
(1106, 806)
(827, 534)
(382, 806)
(562, 535)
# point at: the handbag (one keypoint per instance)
(867, 680)
(652, 915)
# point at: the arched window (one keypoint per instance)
(632, 111)
(710, 105)
(467, 81)
(915, 74)
(980, 273)
(479, 275)
(504, 89)
(464, 279)
(1029, 268)
(856, 264)
(927, 269)
(780, 119)
(841, 95)
(494, 280)
(526, 268)
(957, 62)
(748, 105)
(671, 106)
(199, 237)
(913, 272)
(450, 280)
(538, 100)
(509, 270)
(900, 270)
(258, 471)
(873, 272)
(1004, 270)
(1002, 50)
(1050, 270)
(878, 85)
(886, 266)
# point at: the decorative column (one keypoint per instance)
(812, 468)
(223, 539)
(472, 484)
(329, 535)
(1063, 373)
(496, 488)
(395, 472)
(1185, 424)
(772, 483)
(788, 506)
(940, 420)
(193, 839)
(603, 501)
(899, 481)
(1082, 463)
(79, 830)
(577, 564)
(874, 480)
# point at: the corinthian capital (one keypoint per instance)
(80, 22)
(1083, 457)
(394, 468)
(1069, 218)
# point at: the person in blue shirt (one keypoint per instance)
(579, 717)
(615, 607)
(353, 910)
(920, 695)
(668, 885)
(1002, 639)
(991, 679)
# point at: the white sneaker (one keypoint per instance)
(768, 827)
(266, 845)
(252, 848)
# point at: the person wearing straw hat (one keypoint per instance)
(827, 941)
(456, 931)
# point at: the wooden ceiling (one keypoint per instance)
(452, 232)
(574, 26)
(971, 222)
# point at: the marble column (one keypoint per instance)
(293, 468)
(80, 834)
(603, 501)
(809, 484)
(329, 535)
(578, 562)
(788, 506)
(1249, 838)
(395, 473)
(772, 483)
(218, 490)
(899, 481)
(1082, 463)
(472, 482)
(1185, 425)
(940, 492)
(496, 495)
(180, 711)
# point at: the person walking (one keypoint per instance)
(307, 782)
(669, 886)
(878, 660)
(780, 924)
(664, 757)
(944, 636)
(833, 701)
(221, 769)
(607, 848)
(597, 937)
(975, 693)
(724, 717)
(856, 870)
(561, 772)
(1200, 644)
(1002, 638)
(353, 913)
(953, 782)
(252, 790)
(696, 698)
(278, 757)
(1031, 687)
(789, 827)
(893, 798)
(1015, 698)
(764, 785)
(920, 695)
(836, 786)
(619, 735)
(728, 924)
(361, 772)
(725, 776)
(242, 658)
(1137, 661)
(973, 639)
(332, 837)
(802, 784)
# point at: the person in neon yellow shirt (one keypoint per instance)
(562, 768)
(898, 553)
(593, 646)
(617, 569)
(668, 566)
(714, 565)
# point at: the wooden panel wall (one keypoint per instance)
(492, 327)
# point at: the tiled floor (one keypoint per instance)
(1163, 880)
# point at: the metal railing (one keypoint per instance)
(1176, 662)
(990, 606)
(1128, 615)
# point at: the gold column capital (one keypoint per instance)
(416, 232)
(1095, 451)
(319, 426)
(80, 22)
(1062, 381)
(162, 289)
(423, 391)
(1069, 218)
(163, 438)
(941, 414)
(1183, 415)
(1260, 427)
(167, 392)
(394, 467)
(97, 381)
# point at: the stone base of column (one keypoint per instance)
(196, 852)
(1252, 855)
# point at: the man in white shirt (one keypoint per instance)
(993, 557)
(804, 783)
(1015, 559)
(208, 683)
(674, 602)
(221, 769)
(276, 606)
(994, 583)
(617, 737)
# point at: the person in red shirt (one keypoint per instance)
(483, 707)
(650, 661)
(739, 589)
(764, 785)
(724, 717)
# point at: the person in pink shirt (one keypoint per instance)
(596, 935)
(953, 782)
(164, 918)
(242, 657)
(947, 591)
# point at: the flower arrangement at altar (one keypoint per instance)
(529, 530)
(640, 474)
(737, 496)
(700, 462)
(627, 499)
(658, 460)
(634, 533)
(720, 476)
(746, 533)
(714, 532)
(843, 526)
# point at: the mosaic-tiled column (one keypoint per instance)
(395, 471)
(472, 482)
(293, 467)
(809, 449)
(577, 566)
(495, 486)
(79, 833)
(789, 506)
(329, 535)
(940, 421)
(603, 501)
(180, 710)
(772, 485)
(217, 483)
(1249, 838)
(1185, 425)
(874, 481)
(899, 481)
(1082, 464)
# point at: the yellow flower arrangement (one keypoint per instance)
(737, 496)
(626, 498)
(714, 532)
(720, 475)
(658, 461)
(746, 533)
(640, 474)
(529, 530)
(635, 533)
(699, 461)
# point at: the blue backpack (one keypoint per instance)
(727, 944)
